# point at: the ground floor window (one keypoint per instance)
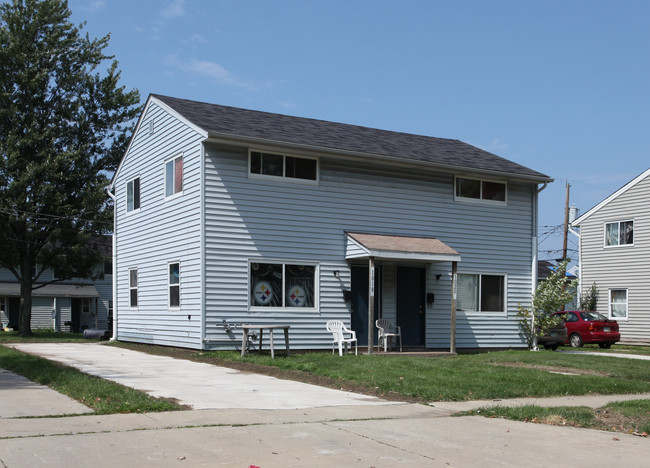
(286, 285)
(174, 285)
(480, 293)
(618, 303)
(133, 287)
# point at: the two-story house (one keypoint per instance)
(225, 216)
(615, 254)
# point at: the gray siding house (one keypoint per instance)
(71, 305)
(615, 254)
(226, 216)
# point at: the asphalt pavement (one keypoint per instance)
(287, 428)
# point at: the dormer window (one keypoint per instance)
(279, 165)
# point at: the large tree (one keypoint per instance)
(63, 127)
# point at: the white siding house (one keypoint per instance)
(226, 216)
(615, 254)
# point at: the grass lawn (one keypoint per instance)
(41, 335)
(632, 416)
(103, 396)
(507, 374)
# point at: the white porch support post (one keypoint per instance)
(454, 289)
(371, 302)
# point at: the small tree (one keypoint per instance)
(589, 299)
(63, 128)
(550, 296)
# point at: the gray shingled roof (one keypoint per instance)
(223, 121)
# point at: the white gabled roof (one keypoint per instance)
(613, 196)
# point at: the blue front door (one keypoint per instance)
(411, 305)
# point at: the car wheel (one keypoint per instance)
(605, 345)
(575, 340)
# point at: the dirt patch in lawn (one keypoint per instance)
(554, 369)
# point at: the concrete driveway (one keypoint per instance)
(201, 386)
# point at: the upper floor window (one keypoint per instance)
(174, 285)
(480, 189)
(278, 165)
(174, 176)
(480, 293)
(133, 194)
(282, 285)
(619, 233)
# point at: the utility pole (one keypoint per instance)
(566, 221)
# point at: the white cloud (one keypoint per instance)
(210, 70)
(93, 6)
(174, 9)
(497, 146)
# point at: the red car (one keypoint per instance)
(585, 327)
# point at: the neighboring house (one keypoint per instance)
(66, 305)
(227, 216)
(615, 254)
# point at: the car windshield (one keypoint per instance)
(592, 316)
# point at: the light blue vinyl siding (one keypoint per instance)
(278, 220)
(163, 230)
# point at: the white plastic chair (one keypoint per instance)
(387, 331)
(339, 332)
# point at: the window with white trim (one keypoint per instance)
(174, 176)
(133, 287)
(284, 285)
(133, 194)
(480, 293)
(174, 284)
(619, 233)
(279, 165)
(618, 303)
(478, 189)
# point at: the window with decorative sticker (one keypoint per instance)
(284, 285)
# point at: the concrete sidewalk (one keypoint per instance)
(21, 398)
(364, 436)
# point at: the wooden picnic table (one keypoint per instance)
(247, 327)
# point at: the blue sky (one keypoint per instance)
(562, 87)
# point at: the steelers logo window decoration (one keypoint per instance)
(279, 285)
(296, 296)
(263, 293)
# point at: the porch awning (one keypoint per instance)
(380, 246)
(52, 290)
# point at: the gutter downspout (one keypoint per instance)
(114, 259)
(534, 265)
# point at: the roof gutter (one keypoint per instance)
(352, 155)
